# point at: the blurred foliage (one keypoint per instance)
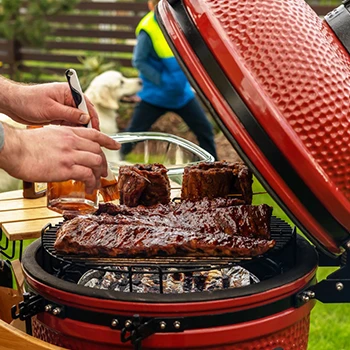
(27, 21)
(93, 66)
(324, 2)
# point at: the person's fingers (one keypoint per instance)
(96, 136)
(86, 175)
(69, 114)
(96, 162)
(95, 123)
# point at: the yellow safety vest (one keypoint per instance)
(151, 27)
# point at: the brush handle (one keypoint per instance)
(77, 92)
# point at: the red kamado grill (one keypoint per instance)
(276, 78)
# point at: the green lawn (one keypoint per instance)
(330, 324)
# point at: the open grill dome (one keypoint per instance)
(277, 80)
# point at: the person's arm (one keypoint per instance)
(42, 104)
(55, 154)
(142, 52)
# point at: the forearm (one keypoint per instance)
(9, 96)
(11, 150)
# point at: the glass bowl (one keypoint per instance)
(174, 152)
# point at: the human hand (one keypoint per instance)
(56, 154)
(44, 104)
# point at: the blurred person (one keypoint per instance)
(53, 153)
(165, 86)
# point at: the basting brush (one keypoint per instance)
(109, 185)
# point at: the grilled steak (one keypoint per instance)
(143, 185)
(85, 236)
(217, 179)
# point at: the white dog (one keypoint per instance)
(105, 91)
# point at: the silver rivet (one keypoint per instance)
(56, 311)
(339, 286)
(177, 324)
(128, 323)
(115, 322)
(48, 307)
(162, 325)
(311, 294)
(305, 298)
(348, 244)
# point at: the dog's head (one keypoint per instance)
(109, 87)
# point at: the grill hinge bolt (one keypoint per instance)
(339, 286)
(311, 294)
(304, 298)
(56, 311)
(128, 323)
(162, 325)
(177, 324)
(114, 323)
(48, 307)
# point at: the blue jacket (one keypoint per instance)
(164, 83)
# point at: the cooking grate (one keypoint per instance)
(129, 272)
(281, 232)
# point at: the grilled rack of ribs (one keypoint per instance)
(217, 179)
(84, 236)
(206, 215)
(143, 185)
(170, 230)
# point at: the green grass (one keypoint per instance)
(330, 323)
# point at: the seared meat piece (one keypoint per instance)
(200, 206)
(112, 209)
(84, 236)
(206, 204)
(143, 184)
(206, 216)
(217, 179)
(240, 220)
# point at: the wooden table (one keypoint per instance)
(22, 219)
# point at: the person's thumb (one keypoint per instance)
(74, 115)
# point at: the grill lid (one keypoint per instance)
(277, 80)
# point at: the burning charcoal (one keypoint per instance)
(115, 286)
(93, 283)
(147, 281)
(199, 279)
(214, 280)
(238, 276)
(225, 282)
(174, 282)
(188, 282)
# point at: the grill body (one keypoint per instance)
(265, 315)
(287, 330)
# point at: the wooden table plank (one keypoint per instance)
(27, 229)
(22, 204)
(11, 195)
(28, 214)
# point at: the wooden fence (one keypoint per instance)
(100, 28)
(104, 29)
